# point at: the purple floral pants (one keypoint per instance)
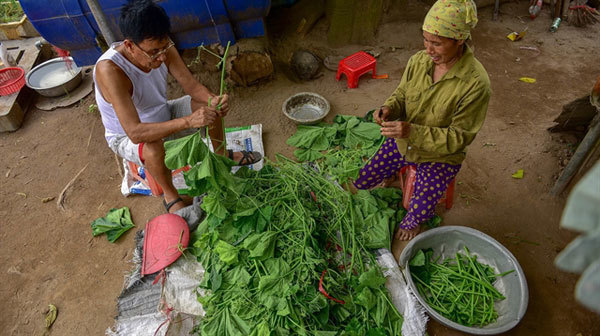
(431, 181)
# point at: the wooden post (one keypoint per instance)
(565, 10)
(353, 21)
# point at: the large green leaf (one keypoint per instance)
(366, 298)
(264, 218)
(261, 329)
(226, 323)
(213, 206)
(372, 278)
(188, 150)
(390, 195)
(283, 308)
(237, 277)
(365, 202)
(227, 253)
(213, 173)
(312, 137)
(376, 229)
(116, 222)
(361, 134)
(418, 259)
(307, 154)
(262, 245)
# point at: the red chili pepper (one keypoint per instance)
(314, 197)
(322, 290)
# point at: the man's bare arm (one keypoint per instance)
(190, 85)
(117, 89)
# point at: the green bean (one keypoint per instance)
(460, 289)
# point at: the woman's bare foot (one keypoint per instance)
(386, 182)
(403, 234)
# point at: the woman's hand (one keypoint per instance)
(381, 114)
(395, 129)
(216, 100)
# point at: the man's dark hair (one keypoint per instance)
(143, 19)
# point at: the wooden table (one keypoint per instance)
(13, 107)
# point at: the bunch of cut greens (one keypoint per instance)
(286, 253)
(214, 171)
(286, 250)
(460, 289)
(349, 142)
(114, 224)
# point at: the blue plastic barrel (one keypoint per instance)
(70, 25)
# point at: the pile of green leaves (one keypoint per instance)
(116, 222)
(348, 142)
(266, 243)
(271, 238)
(460, 289)
(212, 172)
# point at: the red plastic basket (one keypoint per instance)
(11, 80)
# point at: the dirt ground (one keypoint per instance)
(48, 256)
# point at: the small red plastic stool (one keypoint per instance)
(149, 181)
(355, 66)
(408, 175)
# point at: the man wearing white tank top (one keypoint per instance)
(131, 91)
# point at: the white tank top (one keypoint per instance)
(149, 93)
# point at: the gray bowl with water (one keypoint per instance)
(306, 108)
(54, 77)
(446, 241)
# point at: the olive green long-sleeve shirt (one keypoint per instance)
(444, 116)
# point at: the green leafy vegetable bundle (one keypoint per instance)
(460, 289)
(349, 141)
(213, 172)
(286, 254)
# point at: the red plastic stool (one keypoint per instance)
(149, 181)
(407, 184)
(355, 66)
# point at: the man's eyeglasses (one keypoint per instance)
(158, 53)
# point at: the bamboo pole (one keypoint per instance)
(557, 9)
(580, 155)
(100, 18)
(565, 9)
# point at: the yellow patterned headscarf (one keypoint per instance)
(451, 18)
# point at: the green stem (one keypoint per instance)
(223, 66)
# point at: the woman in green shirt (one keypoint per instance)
(434, 114)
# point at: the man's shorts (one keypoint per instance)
(126, 149)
